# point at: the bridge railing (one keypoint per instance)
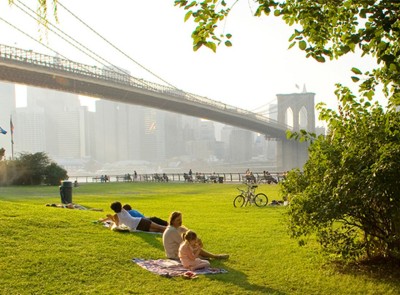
(117, 75)
(227, 177)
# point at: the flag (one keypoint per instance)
(12, 130)
(2, 131)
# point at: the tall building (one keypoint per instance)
(53, 123)
(240, 145)
(153, 137)
(174, 143)
(128, 132)
(7, 107)
(30, 130)
(110, 131)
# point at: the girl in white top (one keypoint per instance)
(134, 223)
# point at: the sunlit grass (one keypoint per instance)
(47, 250)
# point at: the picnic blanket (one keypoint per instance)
(171, 268)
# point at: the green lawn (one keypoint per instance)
(47, 250)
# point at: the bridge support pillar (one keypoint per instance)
(291, 154)
(297, 111)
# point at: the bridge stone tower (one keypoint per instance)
(297, 111)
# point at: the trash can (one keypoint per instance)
(66, 191)
(221, 179)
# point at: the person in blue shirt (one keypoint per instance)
(135, 213)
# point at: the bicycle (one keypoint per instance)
(250, 197)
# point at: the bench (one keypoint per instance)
(97, 178)
(125, 177)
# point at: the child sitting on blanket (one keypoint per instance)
(189, 251)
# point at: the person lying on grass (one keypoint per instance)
(135, 213)
(189, 251)
(172, 239)
(133, 223)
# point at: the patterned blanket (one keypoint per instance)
(171, 268)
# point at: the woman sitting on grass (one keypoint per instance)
(189, 251)
(133, 223)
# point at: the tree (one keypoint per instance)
(54, 174)
(43, 9)
(323, 29)
(349, 191)
(2, 153)
(30, 168)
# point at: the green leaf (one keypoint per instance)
(370, 94)
(356, 71)
(302, 45)
(228, 36)
(212, 46)
(355, 79)
(188, 15)
(228, 43)
(345, 49)
(320, 58)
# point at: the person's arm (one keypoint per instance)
(197, 248)
(114, 218)
(188, 252)
(104, 219)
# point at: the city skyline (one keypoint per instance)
(54, 122)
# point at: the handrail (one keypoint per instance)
(228, 177)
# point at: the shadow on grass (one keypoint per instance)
(382, 269)
(240, 279)
(153, 239)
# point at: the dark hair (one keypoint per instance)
(174, 215)
(127, 207)
(189, 235)
(116, 207)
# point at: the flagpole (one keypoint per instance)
(12, 138)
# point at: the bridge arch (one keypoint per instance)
(302, 106)
(293, 153)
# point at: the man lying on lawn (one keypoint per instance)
(122, 216)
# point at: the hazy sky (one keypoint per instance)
(153, 33)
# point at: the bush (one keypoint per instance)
(54, 174)
(349, 192)
(31, 169)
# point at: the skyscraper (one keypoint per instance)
(7, 107)
(62, 132)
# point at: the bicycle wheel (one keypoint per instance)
(238, 201)
(261, 200)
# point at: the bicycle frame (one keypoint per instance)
(248, 195)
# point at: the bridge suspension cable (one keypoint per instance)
(19, 30)
(100, 59)
(116, 48)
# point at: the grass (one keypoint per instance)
(47, 250)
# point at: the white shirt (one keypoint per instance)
(172, 238)
(125, 218)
